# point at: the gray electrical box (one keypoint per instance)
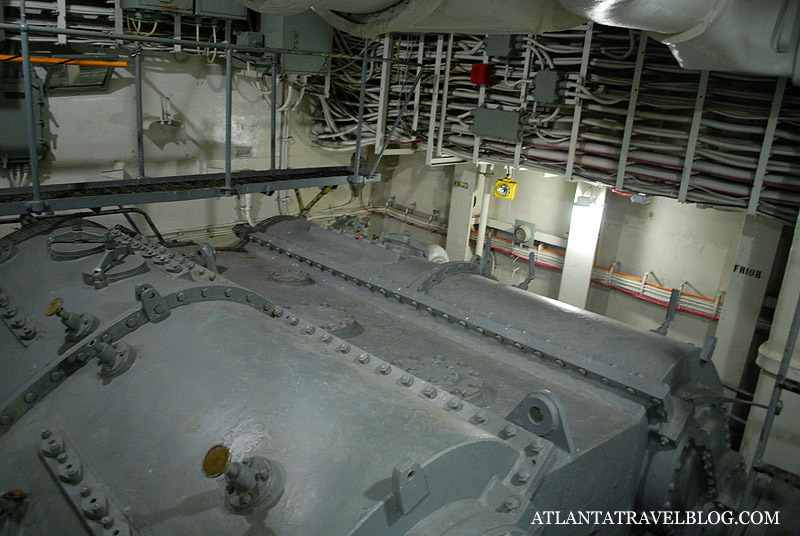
(181, 7)
(14, 134)
(501, 46)
(305, 32)
(222, 9)
(545, 86)
(495, 123)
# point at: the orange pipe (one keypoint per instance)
(65, 61)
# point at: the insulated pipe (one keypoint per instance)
(668, 17)
(484, 217)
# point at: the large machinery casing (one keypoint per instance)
(392, 396)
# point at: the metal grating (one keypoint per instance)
(179, 188)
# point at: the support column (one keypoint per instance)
(783, 448)
(745, 295)
(584, 228)
(462, 196)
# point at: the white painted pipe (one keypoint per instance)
(484, 217)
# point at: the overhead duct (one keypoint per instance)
(725, 35)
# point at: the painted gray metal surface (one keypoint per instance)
(337, 418)
(412, 424)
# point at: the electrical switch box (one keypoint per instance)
(180, 7)
(480, 74)
(524, 232)
(501, 46)
(497, 123)
(306, 32)
(250, 39)
(545, 90)
(14, 134)
(221, 9)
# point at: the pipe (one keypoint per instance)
(33, 154)
(137, 56)
(483, 219)
(64, 61)
(228, 111)
(95, 213)
(248, 209)
(781, 377)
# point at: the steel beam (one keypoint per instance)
(694, 131)
(629, 118)
(273, 133)
(434, 99)
(576, 116)
(33, 154)
(766, 146)
(361, 98)
(137, 60)
(228, 113)
(446, 88)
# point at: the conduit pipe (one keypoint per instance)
(484, 217)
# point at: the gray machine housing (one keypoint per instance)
(357, 391)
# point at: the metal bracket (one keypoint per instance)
(409, 485)
(443, 271)
(708, 350)
(206, 255)
(531, 271)
(100, 278)
(153, 304)
(539, 412)
(96, 507)
(485, 266)
(674, 298)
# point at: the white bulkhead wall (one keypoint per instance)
(94, 138)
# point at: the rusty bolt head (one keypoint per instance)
(511, 504)
(522, 476)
